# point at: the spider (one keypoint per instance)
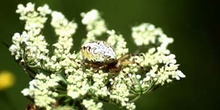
(100, 55)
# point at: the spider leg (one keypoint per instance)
(92, 65)
(122, 61)
(126, 62)
(96, 65)
(124, 57)
(103, 66)
(127, 56)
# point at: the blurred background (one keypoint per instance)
(194, 25)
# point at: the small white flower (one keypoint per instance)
(138, 76)
(44, 10)
(20, 8)
(25, 92)
(179, 75)
(30, 7)
(90, 17)
(130, 106)
(73, 94)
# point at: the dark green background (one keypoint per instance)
(194, 25)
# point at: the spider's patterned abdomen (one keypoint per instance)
(98, 51)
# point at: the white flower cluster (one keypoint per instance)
(42, 90)
(64, 30)
(77, 84)
(95, 25)
(162, 62)
(36, 46)
(146, 33)
(120, 92)
(62, 26)
(61, 77)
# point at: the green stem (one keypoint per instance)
(134, 99)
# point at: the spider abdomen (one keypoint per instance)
(98, 51)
